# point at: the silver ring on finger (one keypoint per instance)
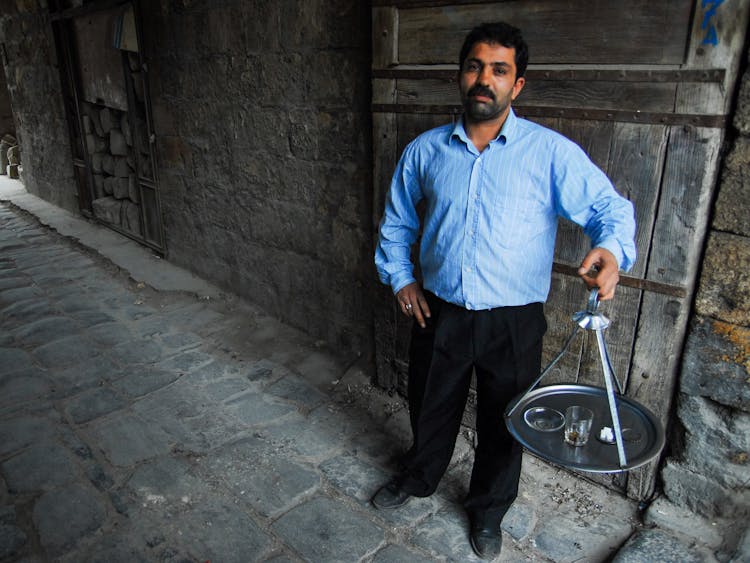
(408, 306)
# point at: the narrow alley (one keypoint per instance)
(139, 424)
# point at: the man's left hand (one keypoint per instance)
(605, 274)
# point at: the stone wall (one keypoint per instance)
(262, 124)
(261, 112)
(709, 472)
(33, 81)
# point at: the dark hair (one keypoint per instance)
(499, 33)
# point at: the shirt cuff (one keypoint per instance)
(614, 247)
(401, 281)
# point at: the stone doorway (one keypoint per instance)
(109, 116)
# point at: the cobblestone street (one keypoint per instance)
(148, 425)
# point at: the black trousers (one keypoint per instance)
(503, 347)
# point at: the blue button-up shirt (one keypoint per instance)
(490, 221)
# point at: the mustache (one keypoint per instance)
(479, 90)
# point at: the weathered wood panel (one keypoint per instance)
(633, 96)
(570, 32)
(679, 231)
(640, 89)
(717, 39)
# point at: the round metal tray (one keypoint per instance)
(595, 456)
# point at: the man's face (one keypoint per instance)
(488, 82)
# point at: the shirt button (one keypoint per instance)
(467, 269)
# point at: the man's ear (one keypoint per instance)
(517, 87)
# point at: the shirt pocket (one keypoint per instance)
(517, 222)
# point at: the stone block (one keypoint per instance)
(717, 440)
(733, 200)
(12, 540)
(108, 164)
(98, 186)
(127, 440)
(122, 168)
(107, 119)
(117, 144)
(92, 112)
(93, 404)
(724, 291)
(44, 466)
(131, 217)
(669, 516)
(96, 163)
(95, 144)
(716, 363)
(78, 506)
(108, 184)
(657, 545)
(107, 209)
(13, 172)
(258, 476)
(332, 529)
(64, 352)
(742, 112)
(125, 128)
(120, 188)
(702, 495)
(88, 127)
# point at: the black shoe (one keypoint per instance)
(390, 495)
(486, 542)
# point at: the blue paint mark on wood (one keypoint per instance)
(709, 19)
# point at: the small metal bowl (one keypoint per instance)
(544, 419)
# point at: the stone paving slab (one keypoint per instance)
(143, 425)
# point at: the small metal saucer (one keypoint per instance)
(544, 419)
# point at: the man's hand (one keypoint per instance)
(605, 275)
(413, 304)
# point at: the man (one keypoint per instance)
(494, 186)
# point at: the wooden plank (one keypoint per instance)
(636, 164)
(622, 96)
(688, 183)
(606, 32)
(595, 138)
(384, 135)
(568, 73)
(567, 295)
(717, 40)
(409, 126)
(384, 37)
(715, 121)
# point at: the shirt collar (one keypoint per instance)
(506, 132)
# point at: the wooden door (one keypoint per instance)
(644, 88)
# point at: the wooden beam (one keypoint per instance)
(672, 290)
(710, 121)
(714, 75)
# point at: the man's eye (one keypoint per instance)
(500, 71)
(471, 67)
